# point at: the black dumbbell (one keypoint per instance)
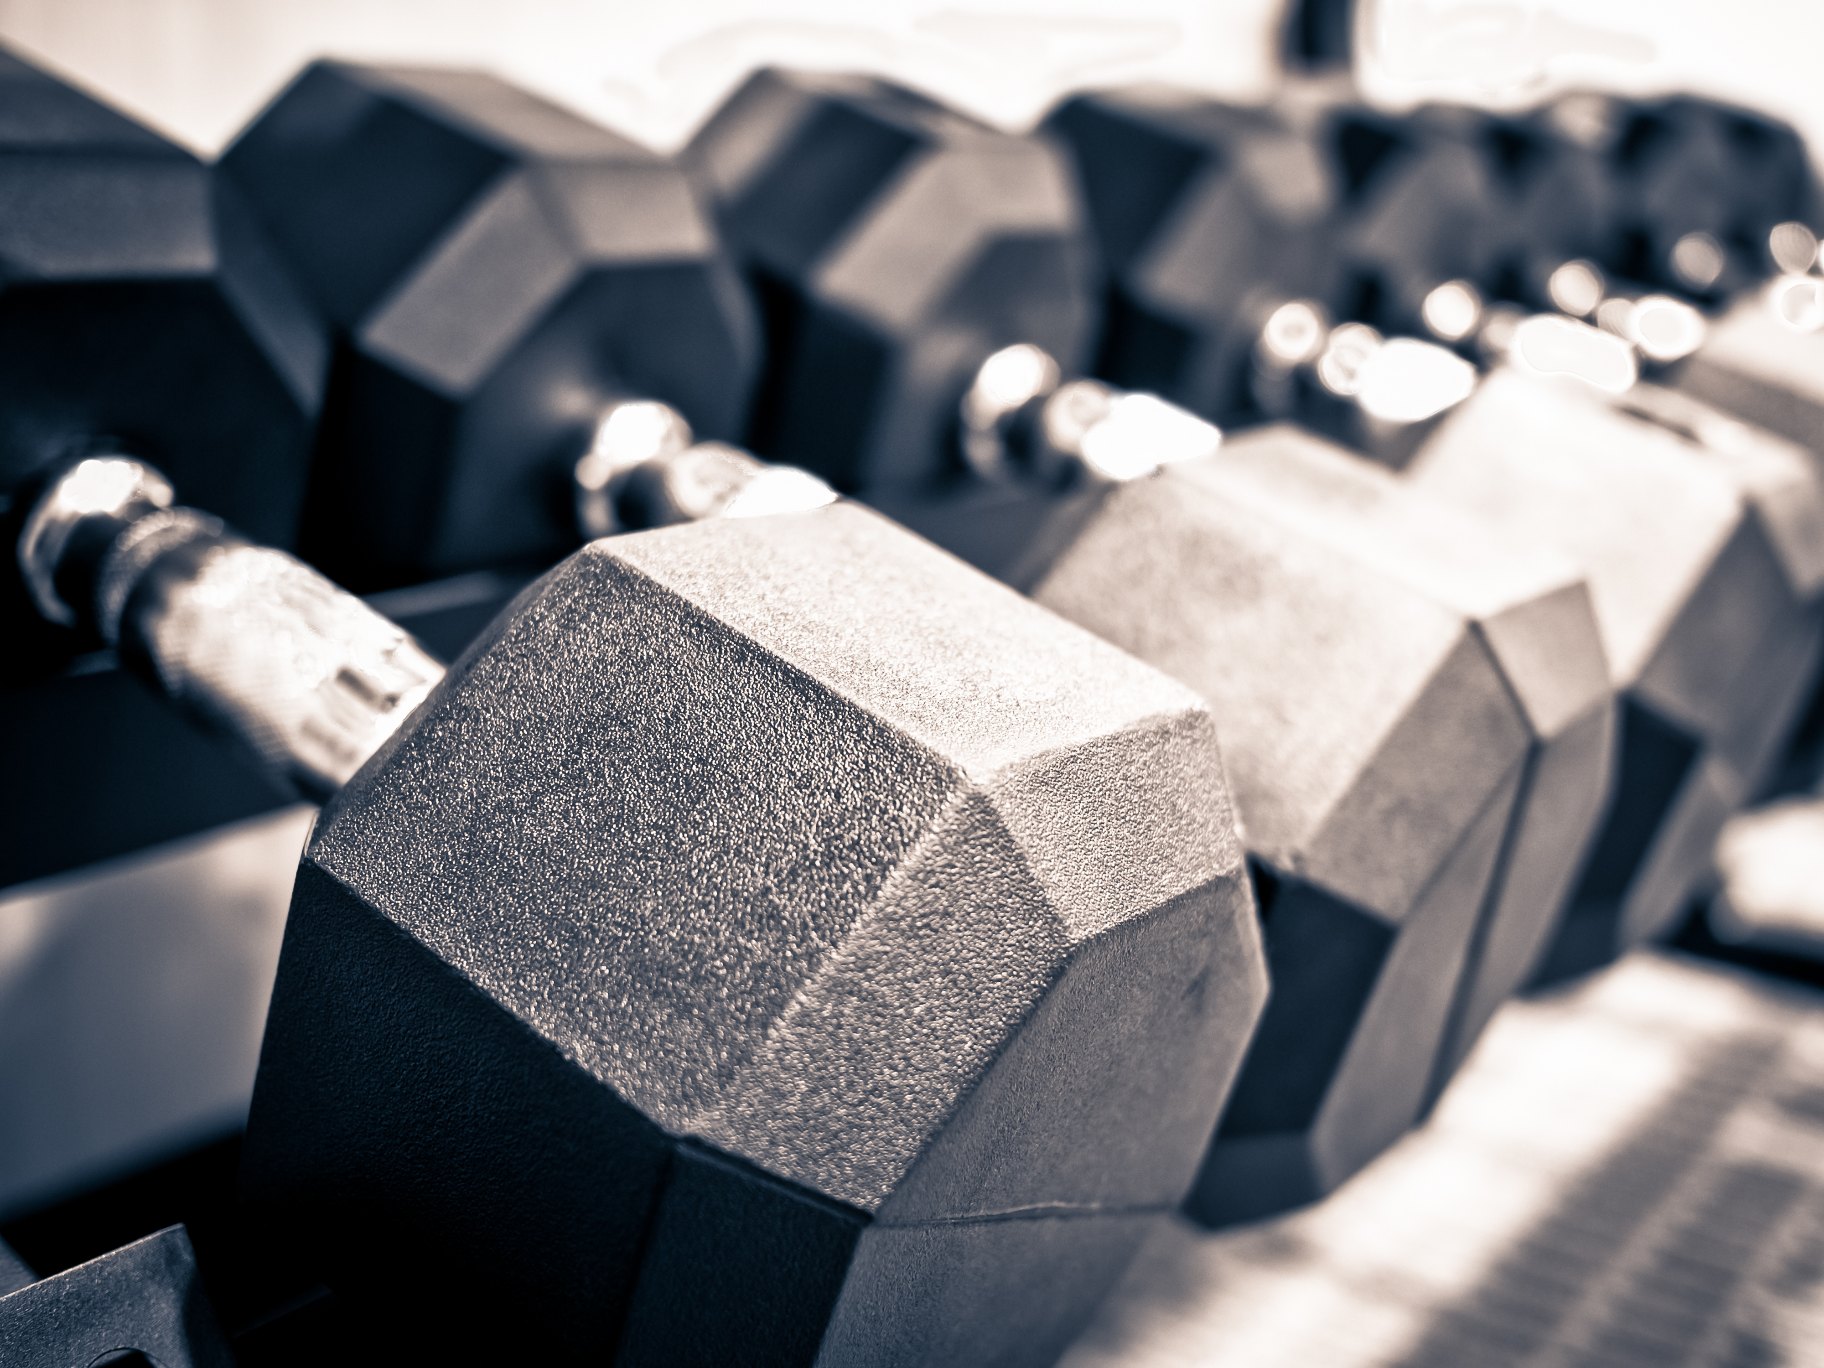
(327, 159)
(1688, 597)
(772, 896)
(1698, 187)
(1748, 229)
(1573, 177)
(1601, 207)
(925, 283)
(141, 1304)
(499, 274)
(140, 304)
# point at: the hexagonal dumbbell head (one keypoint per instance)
(139, 304)
(1414, 212)
(773, 940)
(1206, 217)
(1233, 237)
(1415, 718)
(143, 1303)
(1704, 565)
(1774, 595)
(499, 271)
(830, 191)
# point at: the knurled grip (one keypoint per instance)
(250, 641)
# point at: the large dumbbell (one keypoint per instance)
(701, 967)
(141, 1304)
(926, 280)
(510, 296)
(855, 905)
(1698, 550)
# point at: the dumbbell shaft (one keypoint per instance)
(250, 641)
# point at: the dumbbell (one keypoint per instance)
(696, 913)
(139, 302)
(127, 263)
(1580, 183)
(1715, 195)
(757, 945)
(1687, 195)
(490, 383)
(503, 280)
(141, 1304)
(1747, 228)
(1684, 198)
(1698, 548)
(925, 284)
(1705, 197)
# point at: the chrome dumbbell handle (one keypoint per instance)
(1021, 421)
(250, 641)
(646, 469)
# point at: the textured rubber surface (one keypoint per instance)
(755, 897)
(1415, 717)
(144, 1303)
(1705, 580)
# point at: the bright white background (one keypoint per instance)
(199, 68)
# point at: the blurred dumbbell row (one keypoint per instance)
(774, 938)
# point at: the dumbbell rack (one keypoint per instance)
(1696, 1145)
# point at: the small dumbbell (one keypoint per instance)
(925, 281)
(141, 1304)
(1705, 197)
(761, 941)
(1571, 234)
(1687, 596)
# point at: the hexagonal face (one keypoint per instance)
(138, 305)
(1206, 217)
(498, 269)
(1415, 717)
(894, 245)
(1708, 611)
(775, 917)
